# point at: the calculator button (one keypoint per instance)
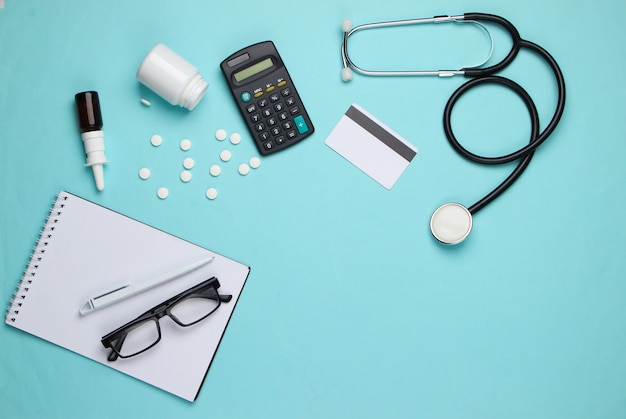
(301, 124)
(251, 108)
(258, 93)
(255, 118)
(270, 88)
(259, 127)
(279, 140)
(268, 145)
(267, 112)
(291, 135)
(246, 97)
(271, 122)
(285, 92)
(264, 136)
(290, 101)
(281, 83)
(287, 125)
(263, 103)
(275, 131)
(294, 111)
(283, 116)
(274, 97)
(279, 107)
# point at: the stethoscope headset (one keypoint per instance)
(452, 222)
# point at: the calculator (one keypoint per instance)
(266, 97)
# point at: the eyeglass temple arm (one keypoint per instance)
(225, 298)
(118, 346)
(213, 294)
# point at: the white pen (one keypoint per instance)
(127, 291)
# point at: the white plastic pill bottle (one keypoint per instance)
(172, 77)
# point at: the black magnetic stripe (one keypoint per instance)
(380, 133)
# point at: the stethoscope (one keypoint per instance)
(452, 222)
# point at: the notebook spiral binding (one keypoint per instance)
(36, 258)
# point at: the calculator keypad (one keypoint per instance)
(275, 116)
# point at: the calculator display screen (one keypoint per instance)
(253, 69)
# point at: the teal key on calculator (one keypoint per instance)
(266, 97)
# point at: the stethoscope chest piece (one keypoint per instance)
(451, 223)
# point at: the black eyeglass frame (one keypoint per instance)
(200, 290)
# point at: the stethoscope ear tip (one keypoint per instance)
(451, 223)
(346, 74)
(346, 25)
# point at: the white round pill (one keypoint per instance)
(156, 140)
(235, 138)
(215, 170)
(244, 169)
(211, 193)
(220, 134)
(255, 162)
(225, 155)
(162, 192)
(144, 173)
(185, 176)
(145, 102)
(188, 163)
(185, 144)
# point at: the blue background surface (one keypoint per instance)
(351, 309)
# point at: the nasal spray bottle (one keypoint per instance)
(90, 122)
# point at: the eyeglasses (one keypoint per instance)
(186, 309)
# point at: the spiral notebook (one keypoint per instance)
(85, 250)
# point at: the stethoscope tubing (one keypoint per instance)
(536, 139)
(515, 37)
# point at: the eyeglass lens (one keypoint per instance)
(146, 334)
(139, 338)
(193, 309)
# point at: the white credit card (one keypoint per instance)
(371, 146)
